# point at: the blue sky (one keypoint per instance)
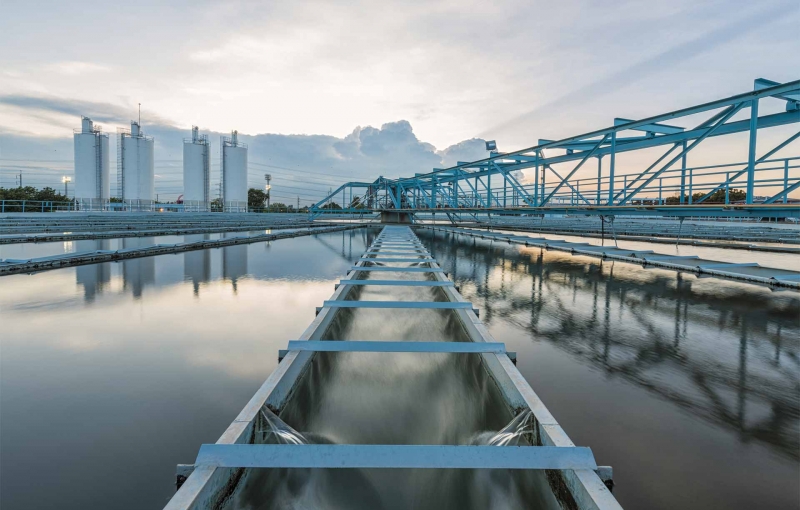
(451, 71)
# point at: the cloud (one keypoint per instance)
(660, 62)
(75, 68)
(99, 111)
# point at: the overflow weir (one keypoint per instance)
(448, 382)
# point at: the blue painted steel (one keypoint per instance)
(477, 187)
(433, 305)
(380, 346)
(373, 259)
(404, 253)
(399, 283)
(394, 456)
(399, 269)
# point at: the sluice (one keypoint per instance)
(396, 396)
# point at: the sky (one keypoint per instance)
(335, 90)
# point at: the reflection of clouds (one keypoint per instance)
(724, 351)
(239, 334)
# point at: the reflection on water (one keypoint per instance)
(234, 261)
(143, 362)
(197, 263)
(141, 272)
(725, 354)
(94, 277)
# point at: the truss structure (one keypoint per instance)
(493, 185)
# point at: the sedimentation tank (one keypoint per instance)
(135, 168)
(234, 174)
(92, 186)
(196, 168)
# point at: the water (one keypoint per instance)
(111, 374)
(398, 398)
(45, 249)
(689, 387)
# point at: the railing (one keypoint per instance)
(9, 206)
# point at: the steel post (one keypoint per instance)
(611, 168)
(785, 179)
(599, 176)
(683, 174)
(751, 155)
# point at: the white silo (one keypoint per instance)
(135, 168)
(92, 186)
(196, 169)
(234, 174)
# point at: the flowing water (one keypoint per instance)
(398, 398)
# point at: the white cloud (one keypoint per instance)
(76, 68)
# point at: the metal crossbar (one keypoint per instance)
(400, 269)
(398, 252)
(438, 305)
(399, 283)
(373, 259)
(380, 346)
(395, 456)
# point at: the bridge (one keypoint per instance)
(493, 185)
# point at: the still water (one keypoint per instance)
(689, 387)
(111, 374)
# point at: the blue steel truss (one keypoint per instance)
(492, 185)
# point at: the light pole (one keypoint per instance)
(267, 177)
(66, 180)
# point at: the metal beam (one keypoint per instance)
(433, 305)
(399, 269)
(399, 283)
(362, 456)
(406, 346)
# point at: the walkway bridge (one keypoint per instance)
(494, 185)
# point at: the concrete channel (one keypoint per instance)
(16, 266)
(571, 473)
(663, 229)
(750, 272)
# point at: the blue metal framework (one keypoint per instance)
(492, 185)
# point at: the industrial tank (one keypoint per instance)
(196, 169)
(92, 185)
(135, 169)
(234, 174)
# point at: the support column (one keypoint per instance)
(536, 180)
(727, 188)
(751, 157)
(599, 176)
(683, 174)
(611, 168)
(785, 179)
(489, 186)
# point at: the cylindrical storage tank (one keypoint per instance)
(92, 184)
(234, 174)
(196, 169)
(137, 169)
